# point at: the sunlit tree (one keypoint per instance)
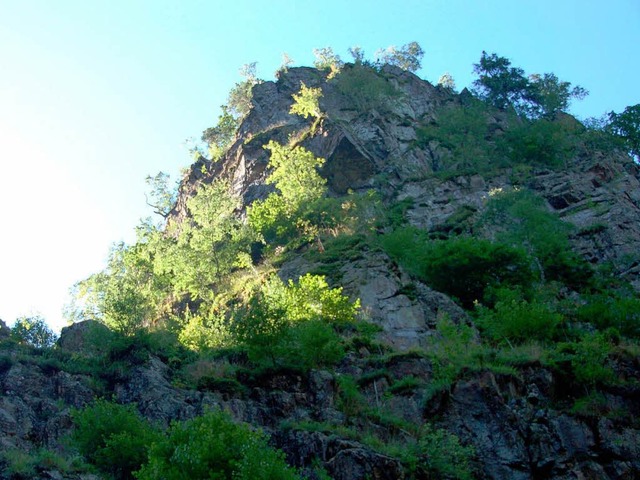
(408, 57)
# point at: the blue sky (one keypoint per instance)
(96, 95)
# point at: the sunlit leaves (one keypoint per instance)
(298, 185)
(408, 57)
(305, 102)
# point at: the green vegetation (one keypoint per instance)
(502, 86)
(464, 267)
(113, 437)
(33, 331)
(294, 324)
(366, 88)
(626, 125)
(116, 440)
(214, 446)
(305, 103)
(202, 291)
(408, 57)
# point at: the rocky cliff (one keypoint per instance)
(523, 414)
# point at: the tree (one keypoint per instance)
(207, 245)
(357, 53)
(287, 61)
(305, 102)
(162, 196)
(549, 96)
(498, 82)
(408, 57)
(327, 60)
(214, 446)
(298, 186)
(128, 293)
(292, 324)
(219, 138)
(239, 101)
(447, 82)
(502, 86)
(33, 331)
(627, 126)
(113, 437)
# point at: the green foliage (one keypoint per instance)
(163, 197)
(219, 138)
(441, 454)
(350, 401)
(18, 464)
(292, 324)
(327, 60)
(298, 188)
(406, 385)
(521, 218)
(113, 437)
(454, 350)
(498, 83)
(447, 82)
(408, 57)
(626, 125)
(549, 96)
(462, 267)
(204, 330)
(365, 88)
(126, 295)
(239, 100)
(515, 319)
(613, 310)
(463, 132)
(213, 446)
(548, 143)
(209, 246)
(502, 86)
(305, 102)
(589, 357)
(33, 331)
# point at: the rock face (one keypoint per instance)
(519, 422)
(371, 144)
(512, 422)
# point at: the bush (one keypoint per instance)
(613, 311)
(293, 324)
(113, 437)
(461, 267)
(540, 142)
(442, 455)
(588, 358)
(33, 331)
(515, 319)
(213, 446)
(365, 88)
(531, 225)
(463, 132)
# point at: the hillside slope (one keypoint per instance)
(457, 299)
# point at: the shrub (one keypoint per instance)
(213, 446)
(442, 455)
(33, 331)
(462, 131)
(113, 437)
(613, 311)
(293, 324)
(461, 267)
(530, 225)
(540, 142)
(518, 320)
(365, 88)
(350, 401)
